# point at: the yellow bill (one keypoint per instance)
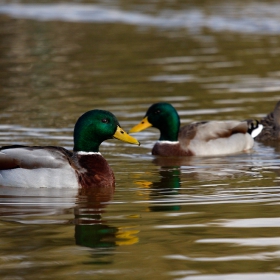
(141, 126)
(120, 134)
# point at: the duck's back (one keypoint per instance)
(215, 137)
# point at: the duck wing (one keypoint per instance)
(215, 138)
(206, 131)
(33, 157)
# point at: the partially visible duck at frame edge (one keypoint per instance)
(196, 139)
(271, 126)
(56, 167)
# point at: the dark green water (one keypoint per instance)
(193, 218)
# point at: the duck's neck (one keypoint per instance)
(82, 153)
(86, 146)
(169, 128)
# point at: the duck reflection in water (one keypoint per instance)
(166, 188)
(167, 194)
(162, 192)
(91, 229)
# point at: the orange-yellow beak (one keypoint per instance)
(120, 134)
(141, 126)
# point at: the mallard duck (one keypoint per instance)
(271, 126)
(201, 138)
(51, 166)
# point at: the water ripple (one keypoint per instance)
(261, 241)
(251, 223)
(251, 18)
(234, 276)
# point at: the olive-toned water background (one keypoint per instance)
(192, 218)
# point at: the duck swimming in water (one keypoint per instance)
(196, 139)
(271, 126)
(56, 167)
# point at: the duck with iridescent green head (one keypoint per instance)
(196, 139)
(57, 167)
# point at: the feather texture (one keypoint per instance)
(271, 126)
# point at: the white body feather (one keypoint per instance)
(52, 171)
(39, 178)
(207, 141)
(233, 144)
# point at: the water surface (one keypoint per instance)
(181, 218)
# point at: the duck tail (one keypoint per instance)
(254, 127)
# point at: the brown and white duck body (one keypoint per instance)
(56, 167)
(196, 139)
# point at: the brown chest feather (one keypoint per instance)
(94, 172)
(167, 150)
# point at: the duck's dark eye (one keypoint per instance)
(105, 120)
(157, 112)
